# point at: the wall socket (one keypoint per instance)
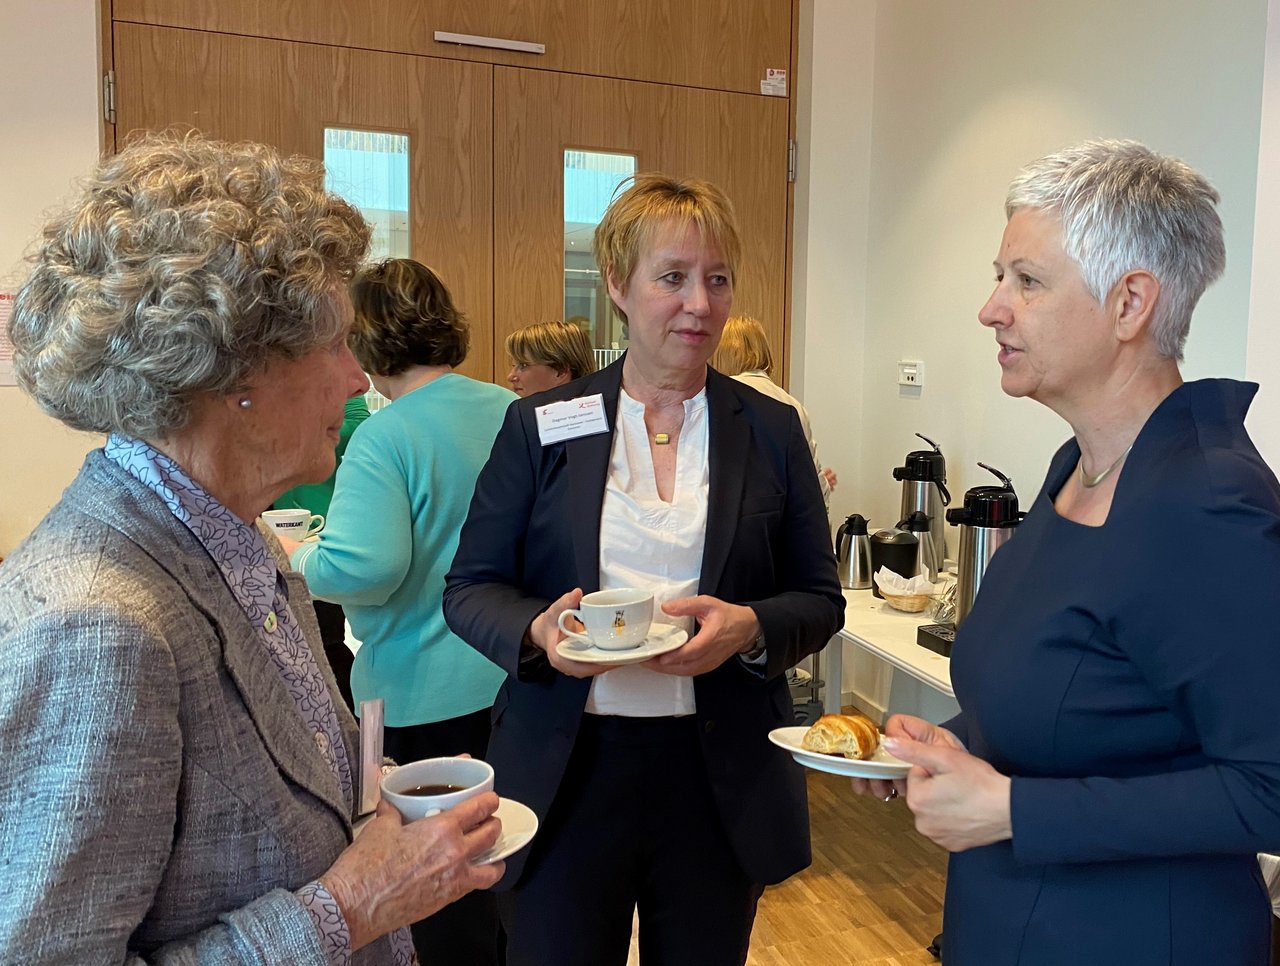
(910, 373)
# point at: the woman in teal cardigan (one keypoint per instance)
(401, 496)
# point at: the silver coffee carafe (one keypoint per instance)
(853, 553)
(986, 521)
(924, 490)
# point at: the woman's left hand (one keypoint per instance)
(959, 801)
(723, 631)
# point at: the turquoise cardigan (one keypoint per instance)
(401, 495)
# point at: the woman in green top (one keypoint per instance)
(402, 492)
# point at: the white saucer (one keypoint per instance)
(880, 765)
(662, 638)
(519, 825)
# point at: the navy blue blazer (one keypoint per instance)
(533, 534)
(1132, 699)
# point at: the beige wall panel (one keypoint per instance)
(286, 94)
(737, 141)
(718, 44)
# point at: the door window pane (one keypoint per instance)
(370, 169)
(590, 180)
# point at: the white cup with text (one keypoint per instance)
(615, 620)
(295, 524)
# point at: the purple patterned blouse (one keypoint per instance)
(250, 571)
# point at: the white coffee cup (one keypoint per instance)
(615, 619)
(295, 524)
(463, 777)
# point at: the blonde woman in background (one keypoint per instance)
(548, 354)
(744, 354)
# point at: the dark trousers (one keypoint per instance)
(333, 633)
(466, 933)
(633, 826)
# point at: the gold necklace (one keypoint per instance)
(1089, 482)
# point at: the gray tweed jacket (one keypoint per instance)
(161, 796)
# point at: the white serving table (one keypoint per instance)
(890, 635)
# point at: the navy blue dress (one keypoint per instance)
(1132, 699)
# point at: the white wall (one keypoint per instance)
(49, 131)
(829, 305)
(1264, 309)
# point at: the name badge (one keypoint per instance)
(572, 418)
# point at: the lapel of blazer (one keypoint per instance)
(588, 465)
(287, 737)
(122, 502)
(729, 436)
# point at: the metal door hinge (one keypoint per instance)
(791, 162)
(109, 97)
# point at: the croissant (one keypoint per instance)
(850, 735)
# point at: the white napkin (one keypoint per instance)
(899, 586)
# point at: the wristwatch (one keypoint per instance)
(757, 649)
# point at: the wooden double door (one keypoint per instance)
(486, 152)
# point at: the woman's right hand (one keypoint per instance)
(394, 874)
(545, 633)
(904, 726)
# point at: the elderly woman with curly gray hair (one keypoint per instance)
(181, 778)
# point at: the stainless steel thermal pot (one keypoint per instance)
(853, 553)
(986, 521)
(924, 490)
(918, 522)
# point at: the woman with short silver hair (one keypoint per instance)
(1116, 764)
(183, 782)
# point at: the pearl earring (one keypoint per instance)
(246, 403)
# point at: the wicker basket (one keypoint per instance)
(911, 603)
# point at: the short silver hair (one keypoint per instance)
(1123, 208)
(184, 266)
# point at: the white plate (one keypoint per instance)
(519, 825)
(662, 638)
(880, 765)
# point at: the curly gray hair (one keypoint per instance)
(1124, 207)
(185, 266)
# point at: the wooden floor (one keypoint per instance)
(873, 896)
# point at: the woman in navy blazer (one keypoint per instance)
(1116, 763)
(684, 810)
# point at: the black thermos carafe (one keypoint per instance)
(987, 520)
(896, 549)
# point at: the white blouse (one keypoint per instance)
(646, 542)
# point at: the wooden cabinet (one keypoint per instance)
(719, 44)
(286, 94)
(734, 140)
(487, 140)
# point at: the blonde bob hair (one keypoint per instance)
(652, 202)
(560, 345)
(184, 267)
(744, 347)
